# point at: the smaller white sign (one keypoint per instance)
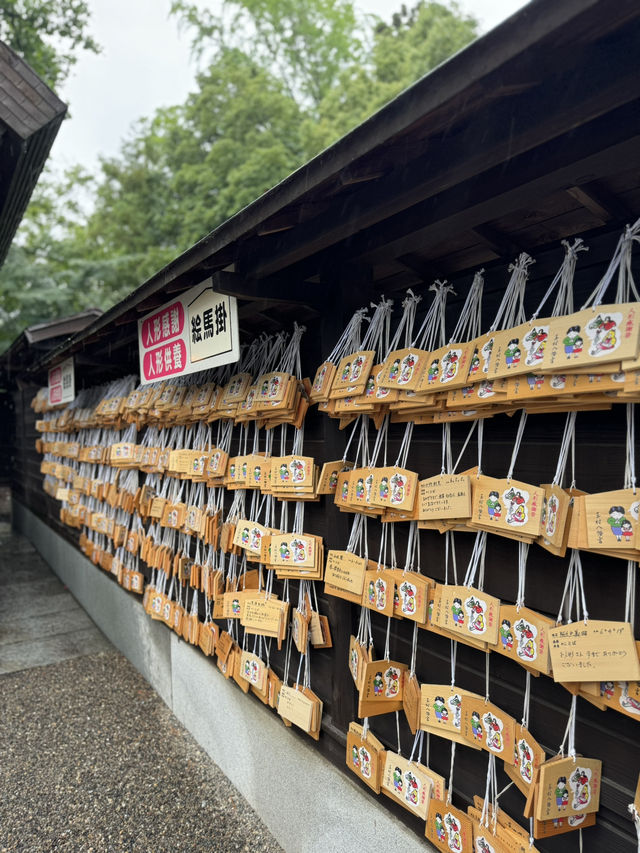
(194, 332)
(62, 383)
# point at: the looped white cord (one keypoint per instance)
(523, 553)
(630, 461)
(387, 639)
(531, 838)
(414, 650)
(570, 732)
(409, 306)
(636, 822)
(349, 340)
(454, 468)
(486, 677)
(454, 654)
(565, 444)
(484, 814)
(516, 446)
(630, 596)
(379, 322)
(564, 277)
(401, 461)
(527, 701)
(450, 785)
(398, 732)
(449, 549)
(480, 442)
(510, 311)
(476, 559)
(365, 727)
(417, 744)
(469, 321)
(621, 258)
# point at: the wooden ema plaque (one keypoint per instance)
(351, 374)
(441, 708)
(523, 636)
(408, 783)
(344, 575)
(507, 506)
(445, 496)
(568, 787)
(489, 727)
(528, 756)
(448, 828)
(365, 756)
(403, 369)
(382, 688)
(468, 611)
(621, 696)
(594, 651)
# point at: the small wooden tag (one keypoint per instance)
(344, 575)
(407, 783)
(594, 651)
(568, 787)
(448, 828)
(365, 756)
(488, 725)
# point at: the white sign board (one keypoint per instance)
(196, 331)
(62, 383)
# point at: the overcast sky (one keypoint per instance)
(145, 64)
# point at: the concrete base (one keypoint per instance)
(306, 802)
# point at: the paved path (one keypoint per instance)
(91, 759)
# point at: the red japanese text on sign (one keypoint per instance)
(165, 361)
(163, 325)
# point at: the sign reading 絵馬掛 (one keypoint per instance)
(196, 331)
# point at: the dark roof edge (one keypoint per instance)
(522, 30)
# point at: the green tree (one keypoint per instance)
(304, 43)
(48, 34)
(269, 97)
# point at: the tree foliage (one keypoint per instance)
(279, 80)
(48, 34)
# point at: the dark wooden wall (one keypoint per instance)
(600, 466)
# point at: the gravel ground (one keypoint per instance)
(92, 760)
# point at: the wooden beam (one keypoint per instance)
(598, 151)
(274, 293)
(601, 202)
(504, 130)
(504, 245)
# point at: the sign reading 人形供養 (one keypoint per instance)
(62, 383)
(196, 331)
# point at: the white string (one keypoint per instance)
(564, 277)
(621, 257)
(518, 441)
(630, 462)
(486, 677)
(398, 731)
(484, 815)
(469, 321)
(414, 650)
(453, 469)
(527, 701)
(566, 443)
(454, 654)
(510, 311)
(450, 786)
(570, 731)
(630, 596)
(523, 553)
